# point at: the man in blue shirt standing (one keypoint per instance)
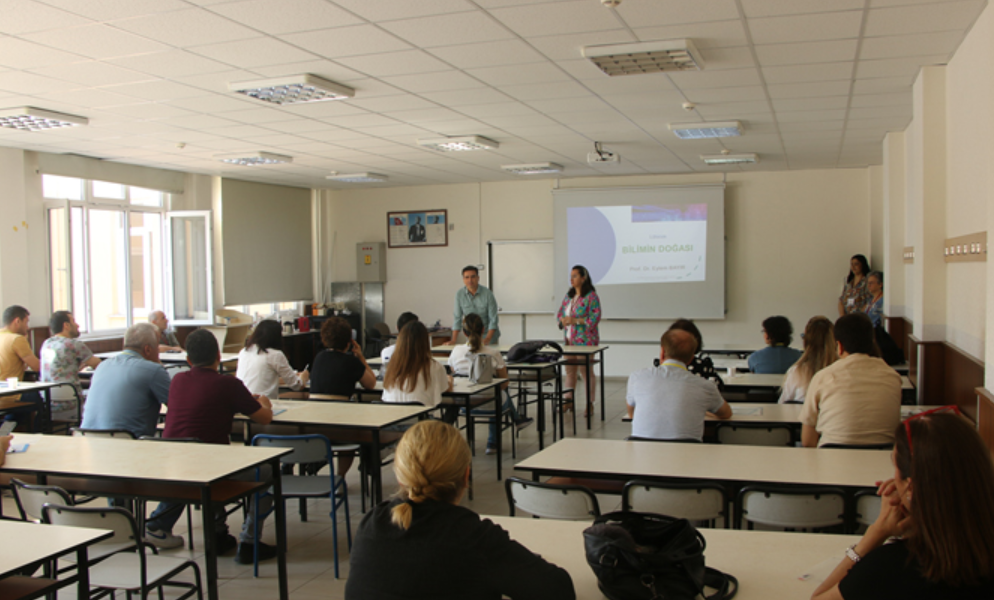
(127, 390)
(478, 299)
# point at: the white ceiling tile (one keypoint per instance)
(395, 63)
(357, 122)
(90, 98)
(634, 84)
(555, 107)
(809, 90)
(186, 27)
(322, 110)
(320, 67)
(564, 47)
(895, 67)
(22, 54)
(782, 105)
(519, 74)
(96, 41)
(217, 104)
(720, 111)
(93, 73)
(255, 52)
(944, 16)
(944, 43)
(434, 82)
(649, 14)
(887, 3)
(30, 84)
(390, 10)
(806, 53)
(425, 115)
(718, 34)
(156, 89)
(872, 112)
(264, 116)
(459, 98)
(894, 99)
(389, 104)
(501, 108)
(811, 115)
(581, 69)
(804, 126)
(739, 94)
(26, 16)
(216, 81)
(200, 122)
(298, 125)
(692, 80)
(488, 54)
(732, 57)
(805, 28)
(347, 41)
(152, 110)
(577, 16)
(171, 64)
(106, 10)
(448, 30)
(287, 17)
(545, 91)
(772, 8)
(883, 85)
(805, 73)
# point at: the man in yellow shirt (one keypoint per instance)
(15, 356)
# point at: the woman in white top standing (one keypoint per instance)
(262, 364)
(414, 376)
(462, 357)
(819, 352)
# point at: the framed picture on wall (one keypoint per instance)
(418, 229)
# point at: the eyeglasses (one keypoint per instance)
(942, 409)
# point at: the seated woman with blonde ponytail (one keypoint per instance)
(422, 544)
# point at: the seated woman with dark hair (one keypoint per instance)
(341, 364)
(422, 544)
(702, 365)
(941, 504)
(777, 356)
(262, 364)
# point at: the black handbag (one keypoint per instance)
(643, 556)
(532, 352)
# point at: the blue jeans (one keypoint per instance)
(495, 422)
(167, 513)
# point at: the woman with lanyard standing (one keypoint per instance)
(578, 317)
(854, 292)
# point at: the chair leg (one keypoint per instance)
(334, 530)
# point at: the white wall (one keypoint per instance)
(23, 237)
(790, 235)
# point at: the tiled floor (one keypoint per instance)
(309, 557)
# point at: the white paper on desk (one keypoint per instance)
(747, 410)
(18, 448)
(819, 572)
(281, 407)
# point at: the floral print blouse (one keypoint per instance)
(588, 309)
(855, 296)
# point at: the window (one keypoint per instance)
(106, 251)
(267, 311)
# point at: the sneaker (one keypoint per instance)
(163, 540)
(491, 449)
(244, 555)
(225, 543)
(525, 422)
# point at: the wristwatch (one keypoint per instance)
(851, 554)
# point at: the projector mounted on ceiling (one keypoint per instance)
(600, 156)
(645, 57)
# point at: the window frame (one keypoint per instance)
(91, 202)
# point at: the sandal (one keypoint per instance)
(566, 407)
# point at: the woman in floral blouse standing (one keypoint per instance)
(578, 317)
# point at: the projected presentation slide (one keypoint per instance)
(639, 244)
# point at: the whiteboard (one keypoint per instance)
(521, 276)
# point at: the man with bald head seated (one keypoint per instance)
(167, 339)
(669, 402)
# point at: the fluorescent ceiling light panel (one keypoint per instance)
(730, 159)
(645, 57)
(459, 144)
(699, 131)
(251, 159)
(293, 89)
(533, 168)
(359, 177)
(28, 118)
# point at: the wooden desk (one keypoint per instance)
(365, 417)
(772, 573)
(180, 472)
(624, 460)
(26, 544)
